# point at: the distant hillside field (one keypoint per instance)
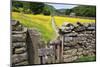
(43, 23)
(60, 20)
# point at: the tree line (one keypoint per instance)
(43, 8)
(85, 11)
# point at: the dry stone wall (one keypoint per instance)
(74, 42)
(79, 41)
(26, 44)
(19, 48)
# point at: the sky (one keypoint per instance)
(62, 6)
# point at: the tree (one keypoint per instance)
(17, 4)
(68, 11)
(86, 11)
(36, 7)
(48, 10)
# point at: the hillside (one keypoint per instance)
(40, 22)
(43, 23)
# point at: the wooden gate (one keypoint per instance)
(46, 55)
(38, 53)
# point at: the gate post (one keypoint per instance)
(62, 47)
(33, 41)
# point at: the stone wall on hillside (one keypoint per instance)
(74, 41)
(79, 41)
(19, 47)
(27, 46)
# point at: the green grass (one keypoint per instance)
(86, 59)
(39, 22)
(43, 23)
(60, 20)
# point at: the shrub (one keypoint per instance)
(27, 11)
(21, 10)
(14, 9)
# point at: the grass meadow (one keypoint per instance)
(43, 23)
(60, 20)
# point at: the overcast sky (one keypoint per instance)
(62, 6)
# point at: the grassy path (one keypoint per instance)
(54, 26)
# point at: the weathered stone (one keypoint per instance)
(19, 53)
(92, 25)
(88, 32)
(17, 28)
(20, 32)
(33, 46)
(20, 50)
(22, 63)
(79, 24)
(67, 45)
(68, 39)
(79, 53)
(85, 53)
(80, 28)
(77, 46)
(89, 47)
(18, 44)
(71, 35)
(66, 56)
(70, 28)
(17, 58)
(80, 56)
(82, 35)
(70, 59)
(66, 48)
(71, 44)
(94, 32)
(67, 27)
(66, 31)
(15, 23)
(18, 37)
(83, 40)
(91, 28)
(71, 52)
(80, 49)
(91, 54)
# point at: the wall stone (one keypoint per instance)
(25, 45)
(79, 40)
(33, 44)
(19, 47)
